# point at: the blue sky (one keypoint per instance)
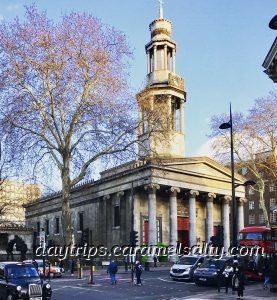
(221, 47)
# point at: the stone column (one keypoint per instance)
(155, 57)
(192, 217)
(182, 116)
(173, 60)
(169, 116)
(122, 207)
(168, 60)
(240, 213)
(209, 217)
(140, 121)
(152, 214)
(148, 62)
(173, 215)
(106, 224)
(165, 57)
(226, 221)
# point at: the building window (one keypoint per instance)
(81, 221)
(178, 116)
(272, 202)
(38, 227)
(57, 225)
(47, 227)
(261, 218)
(272, 187)
(273, 217)
(116, 216)
(252, 219)
(251, 205)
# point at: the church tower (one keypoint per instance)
(164, 95)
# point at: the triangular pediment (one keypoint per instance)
(204, 166)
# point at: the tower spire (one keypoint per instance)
(161, 10)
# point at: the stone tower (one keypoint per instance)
(164, 94)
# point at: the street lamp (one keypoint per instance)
(246, 183)
(234, 204)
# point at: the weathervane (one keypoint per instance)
(161, 9)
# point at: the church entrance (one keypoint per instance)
(183, 231)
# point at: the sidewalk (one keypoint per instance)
(252, 292)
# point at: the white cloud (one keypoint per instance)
(206, 149)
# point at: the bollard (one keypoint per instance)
(80, 273)
(92, 270)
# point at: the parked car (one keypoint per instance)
(185, 266)
(207, 273)
(55, 271)
(21, 281)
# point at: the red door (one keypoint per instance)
(183, 230)
(145, 240)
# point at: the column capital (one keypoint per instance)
(227, 199)
(241, 200)
(211, 196)
(194, 193)
(106, 197)
(120, 194)
(174, 190)
(152, 187)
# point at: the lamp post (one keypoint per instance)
(234, 204)
(246, 183)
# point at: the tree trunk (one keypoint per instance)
(66, 213)
(262, 204)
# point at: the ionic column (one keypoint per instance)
(192, 217)
(155, 57)
(240, 213)
(148, 62)
(173, 60)
(226, 221)
(152, 214)
(165, 57)
(173, 215)
(182, 121)
(209, 216)
(168, 60)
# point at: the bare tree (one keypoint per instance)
(64, 96)
(255, 143)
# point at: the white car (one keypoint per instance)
(185, 266)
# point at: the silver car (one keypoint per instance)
(185, 266)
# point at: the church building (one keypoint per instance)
(175, 199)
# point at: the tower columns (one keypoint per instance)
(165, 57)
(182, 116)
(173, 60)
(155, 57)
(148, 62)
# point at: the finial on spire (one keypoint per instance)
(161, 10)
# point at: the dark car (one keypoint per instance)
(207, 273)
(185, 266)
(22, 281)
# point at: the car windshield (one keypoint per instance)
(187, 260)
(213, 263)
(17, 271)
(40, 264)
